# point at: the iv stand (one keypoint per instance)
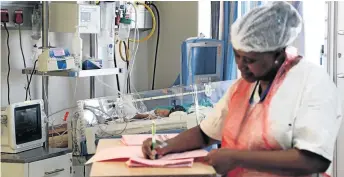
(45, 79)
(93, 54)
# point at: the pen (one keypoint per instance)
(153, 135)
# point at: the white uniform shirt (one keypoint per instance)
(307, 100)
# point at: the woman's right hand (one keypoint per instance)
(160, 149)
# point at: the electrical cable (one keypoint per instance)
(24, 60)
(8, 64)
(117, 77)
(92, 109)
(127, 59)
(120, 51)
(129, 87)
(157, 43)
(127, 63)
(28, 85)
(128, 79)
(126, 48)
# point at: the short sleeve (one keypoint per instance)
(319, 117)
(212, 125)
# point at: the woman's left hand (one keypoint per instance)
(221, 160)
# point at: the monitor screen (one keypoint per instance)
(206, 60)
(27, 123)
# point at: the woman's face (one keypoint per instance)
(254, 65)
(162, 112)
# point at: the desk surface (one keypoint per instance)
(116, 169)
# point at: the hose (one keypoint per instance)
(157, 44)
(125, 59)
(140, 40)
(115, 63)
(8, 64)
(153, 26)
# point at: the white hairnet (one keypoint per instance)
(267, 28)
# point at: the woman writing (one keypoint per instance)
(281, 118)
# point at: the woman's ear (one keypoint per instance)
(279, 52)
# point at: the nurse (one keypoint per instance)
(281, 118)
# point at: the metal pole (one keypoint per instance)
(92, 87)
(332, 54)
(94, 54)
(335, 72)
(329, 37)
(45, 79)
(335, 46)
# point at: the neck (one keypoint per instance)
(263, 86)
(268, 79)
(270, 76)
(264, 83)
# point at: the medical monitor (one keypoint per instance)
(22, 126)
(202, 61)
(206, 60)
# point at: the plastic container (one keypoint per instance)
(77, 51)
(124, 31)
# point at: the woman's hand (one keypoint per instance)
(160, 150)
(221, 160)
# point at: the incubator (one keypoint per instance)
(174, 110)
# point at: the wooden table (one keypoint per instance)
(117, 169)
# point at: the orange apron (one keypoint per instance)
(247, 126)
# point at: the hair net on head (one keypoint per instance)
(267, 28)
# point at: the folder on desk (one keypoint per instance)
(116, 153)
(134, 157)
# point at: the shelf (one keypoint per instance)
(71, 73)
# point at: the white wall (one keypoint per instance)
(179, 20)
(204, 18)
(314, 29)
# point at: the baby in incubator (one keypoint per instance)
(161, 112)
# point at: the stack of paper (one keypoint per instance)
(134, 157)
(116, 153)
(137, 140)
(140, 162)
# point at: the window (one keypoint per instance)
(204, 18)
(314, 29)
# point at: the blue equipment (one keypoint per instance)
(201, 61)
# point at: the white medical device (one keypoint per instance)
(22, 126)
(71, 17)
(55, 60)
